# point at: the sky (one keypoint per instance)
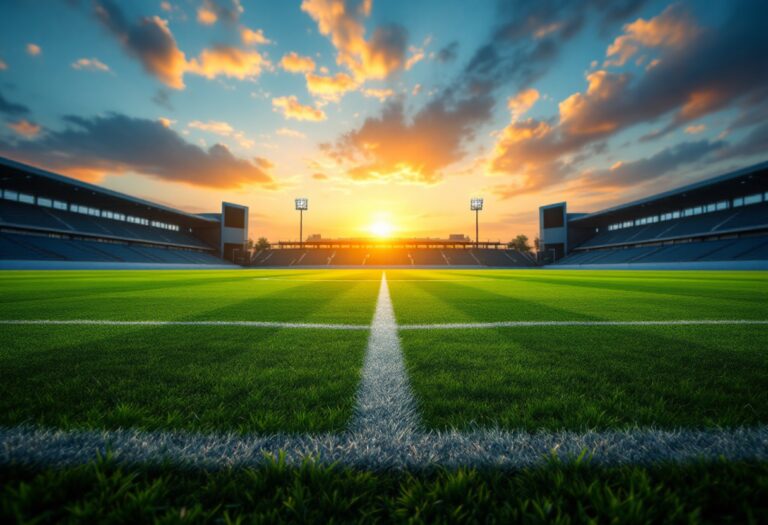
(388, 115)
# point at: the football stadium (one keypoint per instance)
(162, 361)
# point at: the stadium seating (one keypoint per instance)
(741, 249)
(746, 217)
(390, 257)
(16, 246)
(17, 214)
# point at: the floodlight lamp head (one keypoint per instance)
(476, 204)
(302, 204)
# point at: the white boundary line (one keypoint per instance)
(342, 326)
(384, 407)
(484, 448)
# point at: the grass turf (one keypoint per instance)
(194, 378)
(579, 378)
(225, 295)
(103, 492)
(544, 295)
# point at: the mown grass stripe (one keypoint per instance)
(252, 324)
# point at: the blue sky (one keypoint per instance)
(393, 111)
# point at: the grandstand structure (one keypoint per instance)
(454, 251)
(52, 221)
(717, 223)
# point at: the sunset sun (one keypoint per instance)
(381, 228)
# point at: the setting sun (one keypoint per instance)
(381, 228)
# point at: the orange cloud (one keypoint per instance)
(34, 50)
(25, 128)
(693, 130)
(381, 94)
(227, 61)
(3, 65)
(213, 126)
(522, 102)
(291, 108)
(287, 132)
(577, 111)
(295, 63)
(251, 37)
(331, 88)
(673, 28)
(375, 58)
(206, 16)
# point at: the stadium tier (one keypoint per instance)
(49, 217)
(719, 222)
(392, 255)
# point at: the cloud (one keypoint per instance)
(522, 102)
(693, 130)
(229, 62)
(149, 40)
(449, 53)
(342, 21)
(696, 76)
(287, 132)
(319, 176)
(252, 37)
(291, 108)
(90, 64)
(152, 43)
(673, 28)
(116, 144)
(223, 129)
(645, 170)
(163, 99)
(294, 63)
(391, 148)
(34, 50)
(213, 126)
(3, 65)
(381, 94)
(330, 87)
(12, 109)
(25, 128)
(211, 11)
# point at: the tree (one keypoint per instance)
(262, 243)
(537, 244)
(249, 244)
(520, 244)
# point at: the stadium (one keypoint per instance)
(179, 345)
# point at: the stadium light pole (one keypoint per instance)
(302, 204)
(476, 204)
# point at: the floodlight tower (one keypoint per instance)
(476, 204)
(302, 204)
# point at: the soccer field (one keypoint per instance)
(387, 371)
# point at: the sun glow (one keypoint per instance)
(381, 228)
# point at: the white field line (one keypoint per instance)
(341, 326)
(373, 280)
(251, 324)
(32, 446)
(513, 324)
(384, 407)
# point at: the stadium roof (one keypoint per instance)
(92, 195)
(733, 184)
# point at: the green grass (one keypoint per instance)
(524, 295)
(103, 492)
(195, 378)
(189, 295)
(585, 377)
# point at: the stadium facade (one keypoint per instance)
(721, 222)
(58, 220)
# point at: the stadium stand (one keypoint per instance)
(49, 217)
(720, 222)
(391, 256)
